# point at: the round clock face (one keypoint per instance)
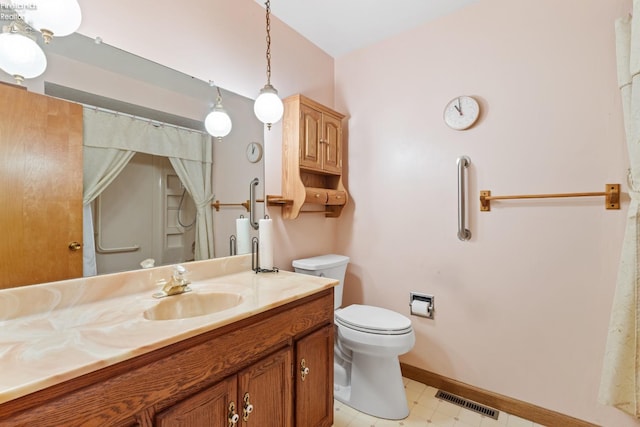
(254, 152)
(461, 112)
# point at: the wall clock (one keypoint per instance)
(461, 112)
(254, 152)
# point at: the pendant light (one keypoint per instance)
(268, 106)
(20, 55)
(218, 122)
(51, 17)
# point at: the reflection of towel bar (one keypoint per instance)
(247, 205)
(611, 194)
(99, 248)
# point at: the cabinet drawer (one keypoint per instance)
(316, 195)
(336, 197)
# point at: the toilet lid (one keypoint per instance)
(373, 320)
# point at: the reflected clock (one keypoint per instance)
(254, 152)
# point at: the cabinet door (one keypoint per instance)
(310, 136)
(331, 144)
(267, 387)
(40, 188)
(314, 379)
(209, 407)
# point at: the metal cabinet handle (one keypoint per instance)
(233, 417)
(247, 408)
(304, 369)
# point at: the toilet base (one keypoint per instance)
(381, 395)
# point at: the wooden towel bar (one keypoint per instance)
(611, 193)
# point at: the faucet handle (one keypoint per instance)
(179, 273)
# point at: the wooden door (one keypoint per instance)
(332, 146)
(209, 407)
(314, 379)
(267, 387)
(310, 137)
(40, 188)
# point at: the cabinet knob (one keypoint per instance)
(247, 409)
(304, 369)
(233, 417)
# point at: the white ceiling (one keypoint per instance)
(341, 26)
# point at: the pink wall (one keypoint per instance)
(522, 308)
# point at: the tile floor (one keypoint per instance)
(426, 411)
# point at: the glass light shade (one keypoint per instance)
(20, 56)
(268, 106)
(218, 122)
(60, 17)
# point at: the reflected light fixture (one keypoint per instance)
(20, 55)
(51, 17)
(268, 106)
(218, 122)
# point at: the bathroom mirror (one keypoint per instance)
(96, 74)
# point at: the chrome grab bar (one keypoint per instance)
(252, 202)
(463, 232)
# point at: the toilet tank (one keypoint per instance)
(331, 266)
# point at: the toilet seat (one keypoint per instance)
(373, 320)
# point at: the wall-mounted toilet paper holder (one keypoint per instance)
(421, 304)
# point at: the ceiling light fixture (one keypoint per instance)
(51, 17)
(20, 55)
(218, 122)
(268, 106)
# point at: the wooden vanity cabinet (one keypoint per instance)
(312, 150)
(314, 361)
(260, 396)
(193, 382)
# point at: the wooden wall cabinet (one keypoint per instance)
(312, 150)
(204, 380)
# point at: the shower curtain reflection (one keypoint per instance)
(110, 139)
(140, 208)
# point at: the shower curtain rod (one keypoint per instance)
(143, 119)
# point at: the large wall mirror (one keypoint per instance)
(146, 212)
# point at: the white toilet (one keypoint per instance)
(368, 342)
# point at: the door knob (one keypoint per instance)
(75, 246)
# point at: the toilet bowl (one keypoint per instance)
(368, 341)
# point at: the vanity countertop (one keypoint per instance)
(53, 332)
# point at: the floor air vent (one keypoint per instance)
(468, 404)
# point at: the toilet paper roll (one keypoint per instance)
(265, 243)
(243, 236)
(420, 308)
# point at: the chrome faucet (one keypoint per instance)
(178, 284)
